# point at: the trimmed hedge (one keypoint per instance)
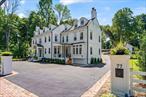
(96, 61)
(56, 61)
(6, 53)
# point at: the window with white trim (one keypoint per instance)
(90, 50)
(80, 49)
(77, 49)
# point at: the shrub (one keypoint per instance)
(108, 95)
(119, 50)
(6, 53)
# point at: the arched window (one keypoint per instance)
(82, 22)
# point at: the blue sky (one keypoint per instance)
(82, 8)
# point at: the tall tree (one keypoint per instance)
(46, 11)
(10, 7)
(63, 13)
(123, 25)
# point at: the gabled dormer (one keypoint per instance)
(83, 21)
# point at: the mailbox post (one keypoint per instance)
(120, 75)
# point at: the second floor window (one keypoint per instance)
(49, 39)
(99, 38)
(40, 41)
(75, 37)
(63, 39)
(66, 38)
(90, 35)
(55, 38)
(45, 39)
(81, 36)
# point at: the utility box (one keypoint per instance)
(6, 65)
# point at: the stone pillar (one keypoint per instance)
(120, 75)
(6, 62)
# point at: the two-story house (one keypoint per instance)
(80, 42)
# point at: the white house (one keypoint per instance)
(80, 42)
(130, 47)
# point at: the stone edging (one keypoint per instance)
(9, 89)
(93, 91)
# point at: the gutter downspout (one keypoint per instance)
(87, 44)
(51, 44)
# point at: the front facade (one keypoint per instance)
(81, 42)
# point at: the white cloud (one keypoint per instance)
(22, 2)
(21, 15)
(68, 2)
(139, 10)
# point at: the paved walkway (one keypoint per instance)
(52, 80)
(8, 89)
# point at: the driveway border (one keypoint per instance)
(93, 91)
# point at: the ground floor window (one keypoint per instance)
(45, 50)
(55, 50)
(77, 49)
(80, 51)
(49, 50)
(99, 51)
(73, 49)
(90, 50)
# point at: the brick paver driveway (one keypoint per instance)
(51, 80)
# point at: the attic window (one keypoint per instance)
(82, 22)
(76, 26)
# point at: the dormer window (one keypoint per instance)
(82, 22)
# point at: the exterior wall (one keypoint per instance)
(95, 43)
